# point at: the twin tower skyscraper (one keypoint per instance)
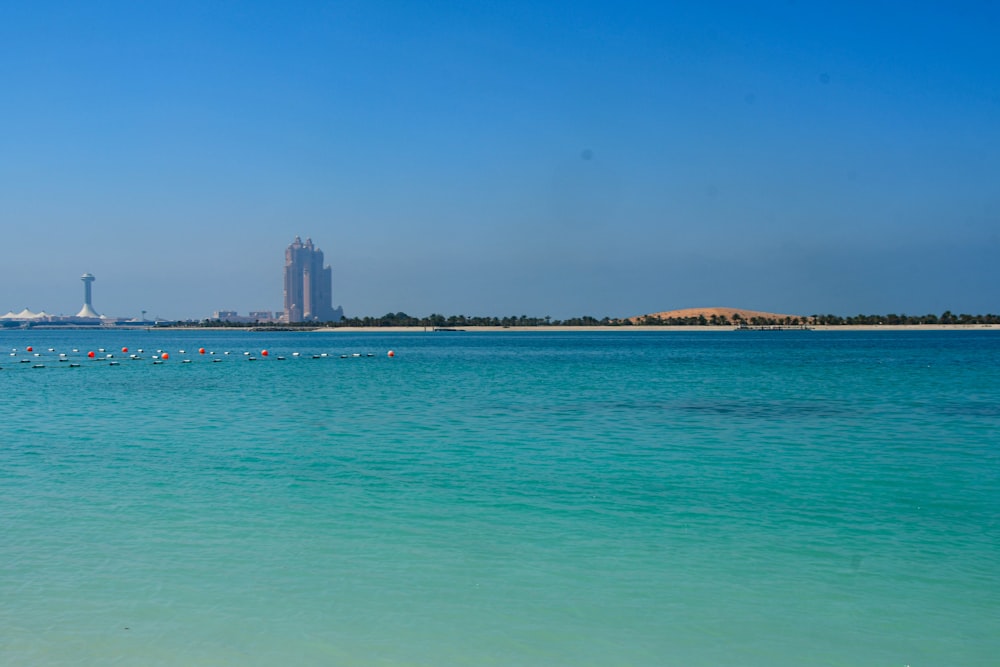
(308, 285)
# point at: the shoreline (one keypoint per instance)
(678, 328)
(536, 329)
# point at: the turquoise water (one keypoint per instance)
(634, 498)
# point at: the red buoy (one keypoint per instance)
(263, 353)
(124, 349)
(30, 349)
(164, 356)
(391, 353)
(201, 350)
(89, 354)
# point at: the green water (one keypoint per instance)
(747, 498)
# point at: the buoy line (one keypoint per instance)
(28, 355)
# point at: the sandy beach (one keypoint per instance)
(640, 328)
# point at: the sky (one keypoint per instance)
(502, 158)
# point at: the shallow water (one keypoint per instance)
(634, 498)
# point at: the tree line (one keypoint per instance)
(438, 321)
(947, 317)
(434, 320)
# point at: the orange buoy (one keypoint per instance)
(91, 354)
(164, 356)
(201, 350)
(263, 353)
(391, 353)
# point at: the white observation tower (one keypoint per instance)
(88, 309)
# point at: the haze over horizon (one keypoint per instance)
(562, 159)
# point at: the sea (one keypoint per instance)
(619, 498)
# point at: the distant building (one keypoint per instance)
(26, 315)
(87, 315)
(262, 316)
(87, 311)
(308, 285)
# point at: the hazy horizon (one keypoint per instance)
(559, 159)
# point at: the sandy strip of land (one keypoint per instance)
(908, 327)
(637, 329)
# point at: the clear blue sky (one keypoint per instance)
(540, 158)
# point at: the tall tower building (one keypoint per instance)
(308, 285)
(88, 308)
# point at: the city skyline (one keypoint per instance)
(540, 158)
